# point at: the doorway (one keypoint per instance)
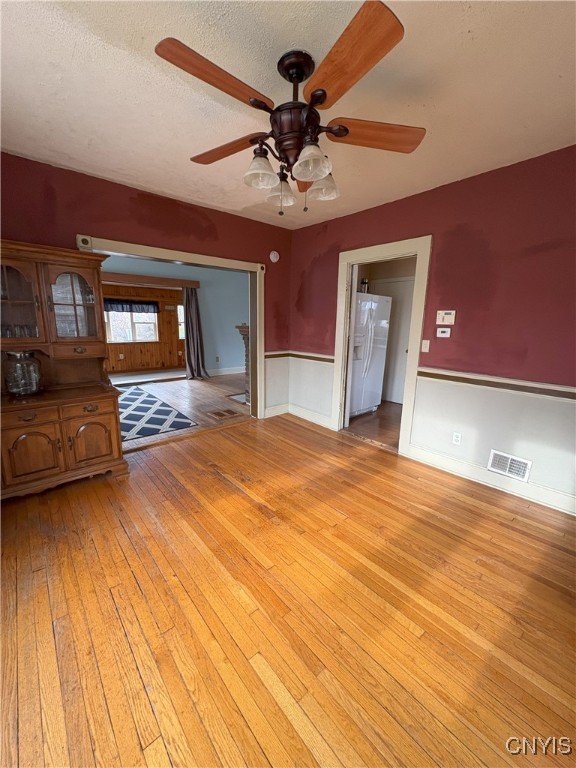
(255, 272)
(389, 286)
(351, 264)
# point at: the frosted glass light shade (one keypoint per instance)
(311, 165)
(324, 189)
(260, 174)
(281, 195)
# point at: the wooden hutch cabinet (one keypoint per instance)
(51, 305)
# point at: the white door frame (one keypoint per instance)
(256, 277)
(419, 247)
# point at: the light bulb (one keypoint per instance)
(311, 165)
(324, 189)
(260, 174)
(281, 195)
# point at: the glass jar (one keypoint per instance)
(22, 373)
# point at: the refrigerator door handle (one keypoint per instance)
(370, 343)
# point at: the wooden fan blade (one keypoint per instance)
(185, 58)
(365, 133)
(371, 34)
(219, 153)
(304, 186)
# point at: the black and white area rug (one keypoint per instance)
(142, 415)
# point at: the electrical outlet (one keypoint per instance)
(217, 358)
(120, 356)
(179, 353)
(456, 438)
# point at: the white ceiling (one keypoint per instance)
(492, 82)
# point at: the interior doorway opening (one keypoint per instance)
(381, 309)
(255, 272)
(349, 277)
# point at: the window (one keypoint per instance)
(127, 327)
(181, 327)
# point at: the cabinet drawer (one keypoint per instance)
(79, 349)
(91, 408)
(29, 416)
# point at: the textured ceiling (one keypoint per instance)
(492, 82)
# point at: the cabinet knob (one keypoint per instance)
(92, 408)
(28, 417)
(79, 350)
(59, 444)
(70, 442)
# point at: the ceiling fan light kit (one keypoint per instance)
(260, 174)
(281, 195)
(312, 164)
(324, 189)
(295, 126)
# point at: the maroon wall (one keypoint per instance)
(47, 205)
(503, 256)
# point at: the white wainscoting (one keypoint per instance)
(299, 384)
(311, 389)
(277, 373)
(537, 427)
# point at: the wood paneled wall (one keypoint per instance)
(148, 355)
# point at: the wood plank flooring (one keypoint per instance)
(381, 426)
(275, 594)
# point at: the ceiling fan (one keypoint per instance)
(295, 125)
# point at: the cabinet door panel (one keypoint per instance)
(20, 297)
(92, 440)
(31, 453)
(74, 302)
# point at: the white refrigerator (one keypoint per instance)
(368, 351)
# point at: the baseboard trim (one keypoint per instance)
(536, 493)
(224, 371)
(276, 410)
(316, 418)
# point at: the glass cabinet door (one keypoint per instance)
(21, 316)
(73, 302)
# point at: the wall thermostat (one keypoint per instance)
(274, 256)
(445, 317)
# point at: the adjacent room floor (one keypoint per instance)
(381, 426)
(276, 594)
(208, 402)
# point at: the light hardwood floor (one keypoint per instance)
(274, 594)
(381, 426)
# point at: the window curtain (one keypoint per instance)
(122, 305)
(193, 344)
